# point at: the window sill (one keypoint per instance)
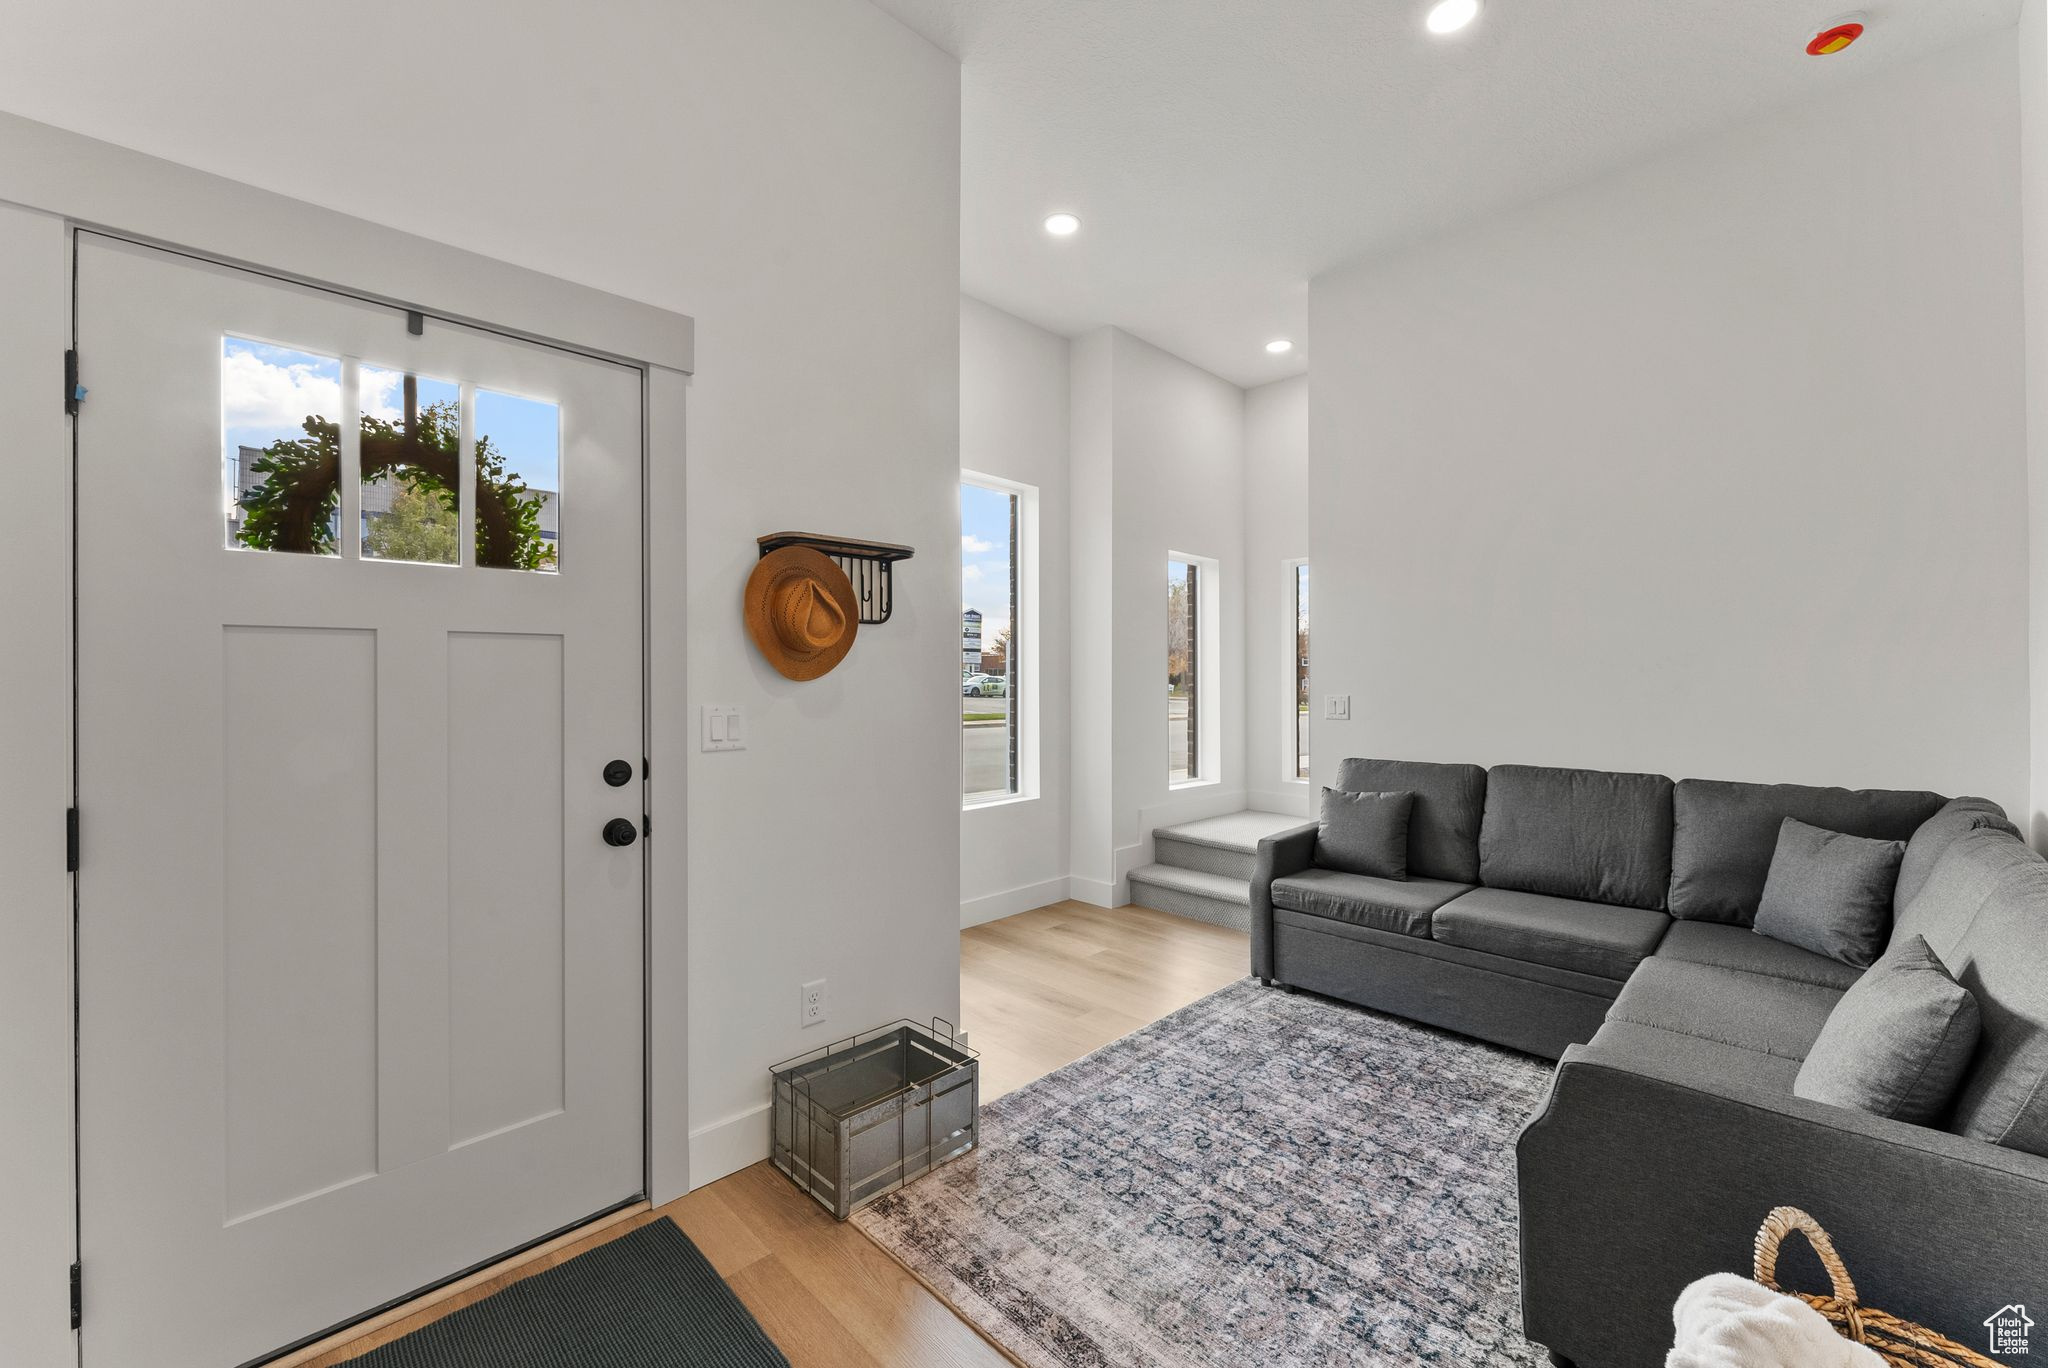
(1007, 800)
(1192, 784)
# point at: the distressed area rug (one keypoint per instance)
(1259, 1178)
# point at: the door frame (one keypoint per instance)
(54, 184)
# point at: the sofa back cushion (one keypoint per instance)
(1970, 869)
(1724, 834)
(1589, 834)
(2002, 958)
(1956, 817)
(1443, 826)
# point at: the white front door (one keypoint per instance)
(359, 971)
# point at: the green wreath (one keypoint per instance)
(293, 508)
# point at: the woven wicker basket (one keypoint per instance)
(1896, 1341)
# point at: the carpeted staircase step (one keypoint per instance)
(1206, 856)
(1226, 845)
(1196, 893)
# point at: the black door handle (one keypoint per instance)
(618, 773)
(620, 831)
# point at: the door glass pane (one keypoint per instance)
(518, 482)
(1301, 671)
(412, 432)
(1183, 672)
(988, 643)
(280, 447)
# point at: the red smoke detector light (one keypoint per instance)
(1834, 38)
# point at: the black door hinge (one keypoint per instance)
(73, 391)
(70, 840)
(77, 1296)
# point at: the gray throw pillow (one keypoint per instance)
(1364, 833)
(1898, 1042)
(1830, 893)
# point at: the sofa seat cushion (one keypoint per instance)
(1401, 906)
(1724, 835)
(1772, 1016)
(1738, 947)
(1571, 833)
(1443, 826)
(1585, 937)
(1711, 1064)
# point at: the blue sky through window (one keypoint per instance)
(985, 557)
(267, 392)
(528, 432)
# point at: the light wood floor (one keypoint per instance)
(1037, 991)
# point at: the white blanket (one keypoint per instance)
(1728, 1322)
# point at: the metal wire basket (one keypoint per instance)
(863, 1116)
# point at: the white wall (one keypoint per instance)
(2032, 48)
(789, 175)
(1158, 467)
(1275, 532)
(1091, 635)
(1715, 467)
(1014, 425)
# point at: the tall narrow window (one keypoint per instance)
(1301, 670)
(991, 643)
(1183, 671)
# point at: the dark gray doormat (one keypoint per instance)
(644, 1300)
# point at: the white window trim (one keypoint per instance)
(1025, 633)
(1209, 672)
(1290, 757)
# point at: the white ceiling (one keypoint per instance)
(1221, 152)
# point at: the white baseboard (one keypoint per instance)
(1011, 901)
(1128, 858)
(1094, 892)
(726, 1147)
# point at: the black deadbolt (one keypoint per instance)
(619, 831)
(618, 773)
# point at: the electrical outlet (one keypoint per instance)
(1337, 707)
(811, 1003)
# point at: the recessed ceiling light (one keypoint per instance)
(1062, 225)
(1448, 16)
(1279, 346)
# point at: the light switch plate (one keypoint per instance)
(1337, 707)
(724, 728)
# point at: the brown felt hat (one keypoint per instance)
(801, 611)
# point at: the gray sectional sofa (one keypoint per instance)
(1604, 920)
